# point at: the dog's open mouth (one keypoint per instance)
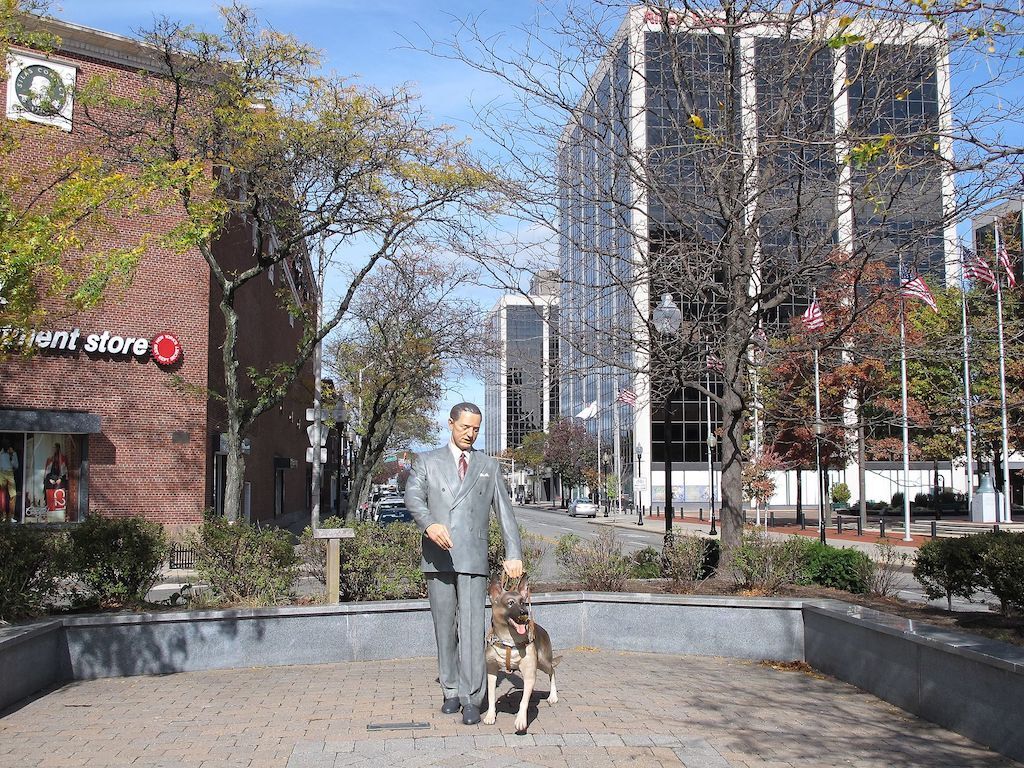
(520, 628)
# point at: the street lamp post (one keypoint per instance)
(639, 489)
(712, 442)
(667, 320)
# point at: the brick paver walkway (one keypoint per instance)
(614, 709)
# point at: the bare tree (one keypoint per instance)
(407, 331)
(733, 157)
(252, 139)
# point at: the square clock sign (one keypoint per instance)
(40, 90)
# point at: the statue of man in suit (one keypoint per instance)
(450, 493)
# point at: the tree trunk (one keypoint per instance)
(732, 473)
(799, 493)
(234, 482)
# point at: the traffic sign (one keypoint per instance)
(323, 434)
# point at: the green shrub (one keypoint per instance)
(685, 561)
(841, 493)
(245, 563)
(533, 549)
(947, 567)
(382, 563)
(31, 562)
(646, 564)
(764, 564)
(116, 560)
(826, 566)
(897, 499)
(598, 565)
(1002, 563)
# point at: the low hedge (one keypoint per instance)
(31, 564)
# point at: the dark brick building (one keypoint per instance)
(93, 419)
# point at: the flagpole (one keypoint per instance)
(818, 431)
(597, 415)
(618, 457)
(906, 425)
(1002, 389)
(967, 385)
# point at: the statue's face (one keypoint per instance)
(465, 429)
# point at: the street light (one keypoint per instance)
(819, 432)
(712, 442)
(667, 320)
(639, 489)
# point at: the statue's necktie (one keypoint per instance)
(463, 466)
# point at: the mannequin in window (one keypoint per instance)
(8, 466)
(57, 469)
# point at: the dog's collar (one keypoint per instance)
(495, 639)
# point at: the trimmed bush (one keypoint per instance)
(1002, 563)
(685, 561)
(841, 493)
(897, 499)
(245, 563)
(31, 562)
(947, 567)
(116, 560)
(598, 565)
(382, 563)
(826, 566)
(646, 564)
(764, 564)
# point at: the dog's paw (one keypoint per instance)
(521, 722)
(552, 698)
(489, 717)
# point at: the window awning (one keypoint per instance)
(56, 422)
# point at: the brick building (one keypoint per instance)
(93, 419)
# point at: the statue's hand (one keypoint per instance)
(438, 534)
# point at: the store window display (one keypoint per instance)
(40, 477)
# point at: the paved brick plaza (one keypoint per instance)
(614, 709)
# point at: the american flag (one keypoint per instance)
(627, 396)
(1004, 260)
(916, 289)
(814, 320)
(976, 268)
(714, 363)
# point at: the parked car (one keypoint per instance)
(394, 515)
(584, 507)
(388, 502)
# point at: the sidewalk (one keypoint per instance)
(615, 709)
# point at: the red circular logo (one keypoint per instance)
(166, 349)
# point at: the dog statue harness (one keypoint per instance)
(495, 640)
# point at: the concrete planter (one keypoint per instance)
(962, 682)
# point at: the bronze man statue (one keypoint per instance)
(450, 493)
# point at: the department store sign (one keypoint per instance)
(164, 348)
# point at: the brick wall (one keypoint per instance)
(154, 454)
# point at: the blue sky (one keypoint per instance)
(369, 41)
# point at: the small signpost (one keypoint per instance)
(334, 537)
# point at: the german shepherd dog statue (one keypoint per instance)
(516, 642)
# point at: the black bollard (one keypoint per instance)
(881, 527)
(860, 527)
(839, 524)
(803, 521)
(935, 529)
(771, 518)
(700, 513)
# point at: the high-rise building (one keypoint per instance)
(639, 213)
(522, 386)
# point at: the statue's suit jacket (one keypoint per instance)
(434, 494)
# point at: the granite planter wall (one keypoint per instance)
(960, 681)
